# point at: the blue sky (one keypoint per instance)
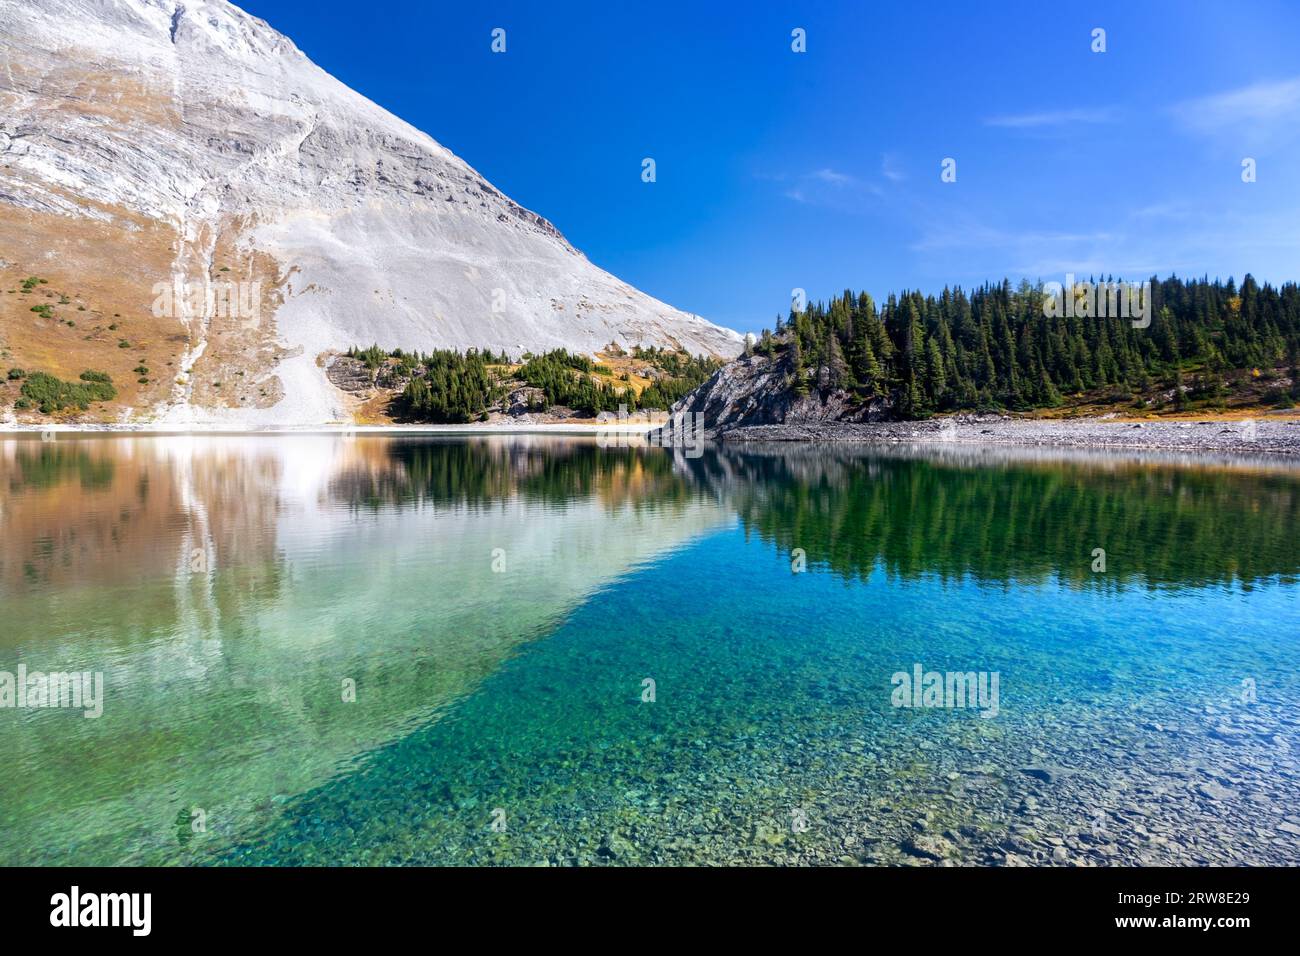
(821, 170)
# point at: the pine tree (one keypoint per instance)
(797, 378)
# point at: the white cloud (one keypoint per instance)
(828, 188)
(889, 168)
(972, 235)
(1160, 239)
(1255, 113)
(834, 178)
(1052, 118)
(832, 188)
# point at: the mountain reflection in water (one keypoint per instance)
(228, 586)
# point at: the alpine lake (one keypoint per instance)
(535, 650)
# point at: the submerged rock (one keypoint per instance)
(1215, 792)
(1047, 772)
(929, 847)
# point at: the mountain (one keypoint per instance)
(196, 198)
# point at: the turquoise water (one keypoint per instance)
(500, 604)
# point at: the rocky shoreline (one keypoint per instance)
(1253, 436)
(751, 400)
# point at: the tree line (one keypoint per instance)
(995, 349)
(446, 386)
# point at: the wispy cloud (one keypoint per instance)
(1256, 113)
(827, 187)
(1157, 239)
(833, 177)
(889, 168)
(1053, 118)
(973, 235)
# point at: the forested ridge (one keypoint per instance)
(994, 348)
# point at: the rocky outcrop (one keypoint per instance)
(757, 390)
(523, 400)
(349, 374)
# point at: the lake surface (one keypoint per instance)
(535, 650)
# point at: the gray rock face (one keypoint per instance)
(524, 400)
(755, 390)
(349, 374)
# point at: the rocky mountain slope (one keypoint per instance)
(188, 144)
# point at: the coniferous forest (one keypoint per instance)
(446, 386)
(995, 349)
(454, 387)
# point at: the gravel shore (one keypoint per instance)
(1256, 436)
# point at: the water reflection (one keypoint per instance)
(227, 586)
(1018, 516)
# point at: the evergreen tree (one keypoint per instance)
(995, 346)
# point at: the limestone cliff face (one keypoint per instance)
(759, 390)
(147, 141)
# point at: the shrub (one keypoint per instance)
(52, 395)
(15, 374)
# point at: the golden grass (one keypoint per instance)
(106, 271)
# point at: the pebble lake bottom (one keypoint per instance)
(324, 650)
